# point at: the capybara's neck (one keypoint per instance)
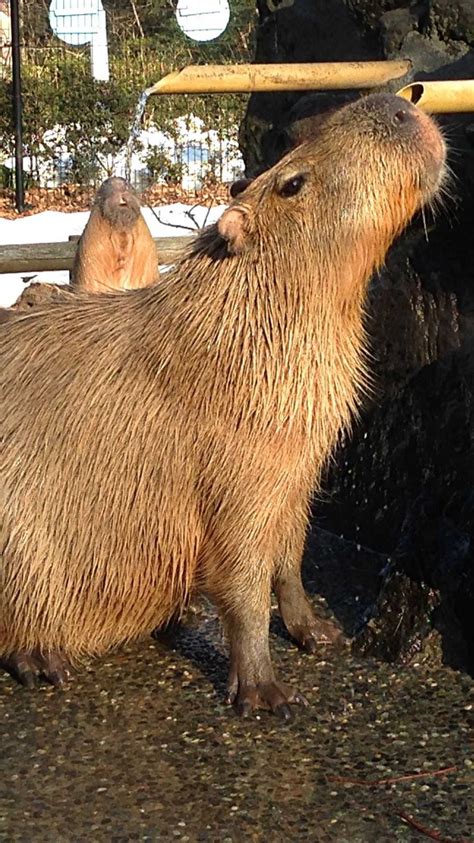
(267, 341)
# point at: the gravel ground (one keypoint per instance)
(139, 746)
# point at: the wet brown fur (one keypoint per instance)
(116, 250)
(170, 440)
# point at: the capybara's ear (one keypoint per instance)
(233, 226)
(238, 187)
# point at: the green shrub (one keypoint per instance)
(58, 89)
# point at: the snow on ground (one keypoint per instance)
(52, 226)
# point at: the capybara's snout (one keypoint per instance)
(395, 112)
(399, 122)
(399, 116)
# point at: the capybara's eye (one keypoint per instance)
(292, 186)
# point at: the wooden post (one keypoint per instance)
(41, 257)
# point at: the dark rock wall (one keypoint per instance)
(406, 478)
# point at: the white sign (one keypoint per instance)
(203, 20)
(80, 22)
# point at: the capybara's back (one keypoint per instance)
(116, 250)
(169, 440)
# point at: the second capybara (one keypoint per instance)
(37, 295)
(169, 441)
(116, 250)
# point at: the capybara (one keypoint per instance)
(169, 441)
(116, 250)
(37, 295)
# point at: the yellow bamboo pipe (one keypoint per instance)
(246, 78)
(441, 97)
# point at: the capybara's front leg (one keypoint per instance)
(252, 683)
(308, 629)
(29, 668)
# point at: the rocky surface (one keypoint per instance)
(404, 483)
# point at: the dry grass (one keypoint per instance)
(73, 197)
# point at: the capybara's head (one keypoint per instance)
(118, 202)
(345, 194)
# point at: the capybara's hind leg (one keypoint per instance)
(308, 629)
(246, 614)
(30, 668)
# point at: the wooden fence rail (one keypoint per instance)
(40, 257)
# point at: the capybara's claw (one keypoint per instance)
(243, 709)
(317, 633)
(300, 699)
(308, 643)
(306, 627)
(323, 633)
(28, 678)
(284, 712)
(28, 668)
(58, 678)
(55, 669)
(273, 696)
(24, 668)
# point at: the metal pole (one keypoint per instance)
(17, 106)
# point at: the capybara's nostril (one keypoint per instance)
(401, 116)
(394, 112)
(404, 115)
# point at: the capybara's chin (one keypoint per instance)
(122, 212)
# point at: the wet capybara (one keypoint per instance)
(116, 250)
(169, 441)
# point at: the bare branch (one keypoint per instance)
(137, 19)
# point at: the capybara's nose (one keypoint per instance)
(396, 113)
(402, 113)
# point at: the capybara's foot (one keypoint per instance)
(312, 632)
(272, 695)
(308, 629)
(251, 684)
(30, 668)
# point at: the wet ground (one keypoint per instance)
(139, 747)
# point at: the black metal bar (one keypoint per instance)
(17, 106)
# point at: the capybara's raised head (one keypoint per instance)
(118, 202)
(345, 194)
